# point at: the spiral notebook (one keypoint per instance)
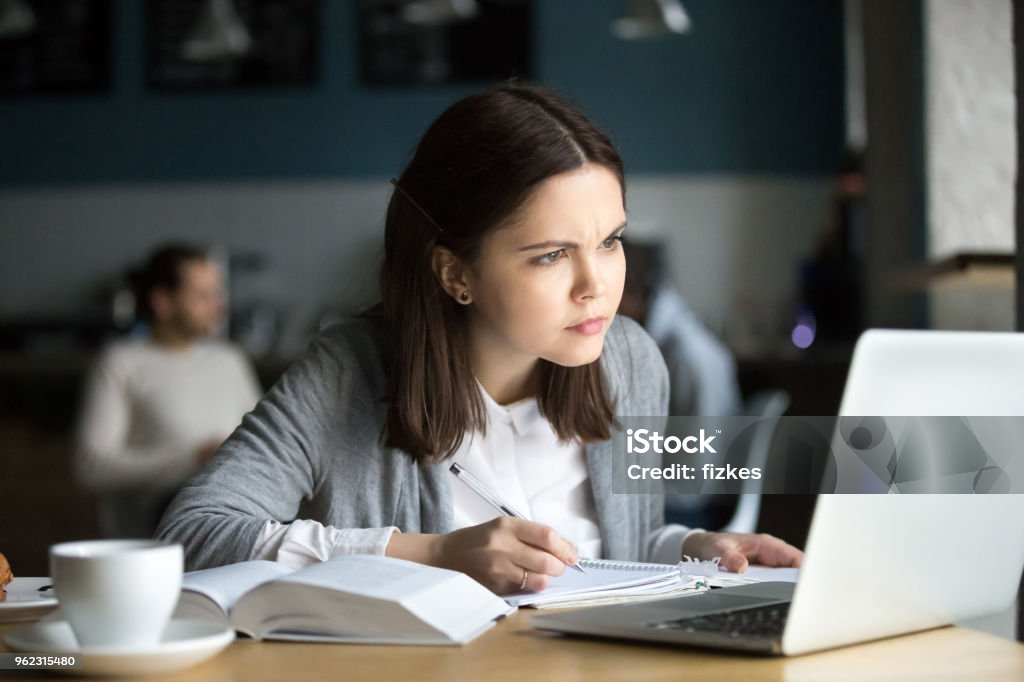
(610, 581)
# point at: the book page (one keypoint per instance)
(598, 580)
(382, 578)
(755, 574)
(370, 599)
(224, 585)
(684, 588)
(767, 574)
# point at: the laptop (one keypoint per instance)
(877, 565)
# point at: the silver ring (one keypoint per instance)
(525, 574)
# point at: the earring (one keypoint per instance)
(464, 297)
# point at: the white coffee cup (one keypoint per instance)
(117, 592)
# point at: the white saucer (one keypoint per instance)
(185, 643)
(24, 601)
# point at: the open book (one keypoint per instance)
(608, 582)
(356, 598)
(755, 574)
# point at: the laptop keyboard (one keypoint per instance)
(760, 621)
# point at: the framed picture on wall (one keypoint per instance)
(436, 42)
(54, 46)
(221, 44)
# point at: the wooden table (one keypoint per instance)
(514, 652)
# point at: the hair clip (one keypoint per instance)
(418, 207)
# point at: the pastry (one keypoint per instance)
(5, 575)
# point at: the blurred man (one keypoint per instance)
(701, 370)
(156, 408)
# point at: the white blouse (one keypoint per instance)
(519, 459)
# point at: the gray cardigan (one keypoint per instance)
(311, 449)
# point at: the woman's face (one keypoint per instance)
(548, 285)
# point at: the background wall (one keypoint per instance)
(730, 135)
(971, 136)
(734, 241)
(971, 158)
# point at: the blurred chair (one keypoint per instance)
(768, 406)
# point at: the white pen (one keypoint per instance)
(480, 489)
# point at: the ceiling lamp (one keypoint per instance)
(16, 19)
(218, 35)
(645, 19)
(438, 12)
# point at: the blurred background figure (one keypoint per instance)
(158, 405)
(831, 281)
(702, 372)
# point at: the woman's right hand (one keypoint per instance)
(497, 554)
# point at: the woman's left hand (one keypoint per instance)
(738, 550)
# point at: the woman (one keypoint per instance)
(496, 346)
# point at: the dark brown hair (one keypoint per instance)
(475, 167)
(162, 270)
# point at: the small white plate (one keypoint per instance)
(184, 644)
(24, 601)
